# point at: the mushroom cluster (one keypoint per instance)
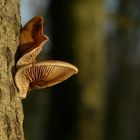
(34, 75)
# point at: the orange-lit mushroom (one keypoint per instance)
(42, 74)
(32, 40)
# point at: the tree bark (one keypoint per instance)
(11, 112)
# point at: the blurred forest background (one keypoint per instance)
(102, 102)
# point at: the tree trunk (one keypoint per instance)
(89, 45)
(11, 112)
(123, 119)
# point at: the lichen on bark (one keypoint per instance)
(11, 112)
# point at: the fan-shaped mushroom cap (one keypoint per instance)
(32, 40)
(42, 74)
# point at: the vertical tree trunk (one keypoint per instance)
(123, 119)
(89, 44)
(11, 113)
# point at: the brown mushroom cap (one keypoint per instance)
(43, 74)
(32, 40)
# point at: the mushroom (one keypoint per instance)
(34, 75)
(31, 41)
(42, 74)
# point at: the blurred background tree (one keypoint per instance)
(102, 102)
(123, 92)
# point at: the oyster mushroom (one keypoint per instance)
(31, 40)
(42, 74)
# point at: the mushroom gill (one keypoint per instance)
(43, 74)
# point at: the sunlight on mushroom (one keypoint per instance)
(35, 75)
(42, 74)
(32, 40)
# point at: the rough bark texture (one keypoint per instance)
(11, 113)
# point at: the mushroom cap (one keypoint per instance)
(30, 56)
(31, 40)
(42, 74)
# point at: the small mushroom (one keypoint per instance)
(31, 41)
(42, 74)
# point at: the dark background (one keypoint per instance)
(102, 38)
